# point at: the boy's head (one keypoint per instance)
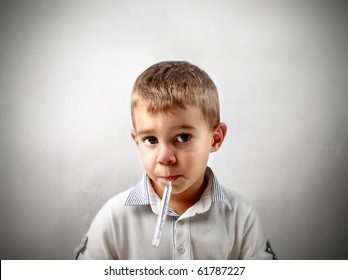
(171, 85)
(175, 113)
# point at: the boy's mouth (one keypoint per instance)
(170, 178)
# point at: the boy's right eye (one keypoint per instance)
(151, 140)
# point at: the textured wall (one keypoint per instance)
(66, 71)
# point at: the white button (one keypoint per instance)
(181, 250)
(181, 222)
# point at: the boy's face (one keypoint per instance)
(176, 146)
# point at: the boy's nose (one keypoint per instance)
(166, 156)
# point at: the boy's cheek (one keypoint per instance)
(148, 158)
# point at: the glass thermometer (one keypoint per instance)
(162, 215)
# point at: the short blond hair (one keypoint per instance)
(170, 85)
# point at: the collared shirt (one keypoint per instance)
(221, 225)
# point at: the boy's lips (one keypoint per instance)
(170, 178)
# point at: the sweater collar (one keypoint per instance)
(144, 194)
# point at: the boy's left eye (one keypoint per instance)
(182, 138)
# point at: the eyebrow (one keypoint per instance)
(185, 126)
(177, 127)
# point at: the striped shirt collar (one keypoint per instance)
(143, 193)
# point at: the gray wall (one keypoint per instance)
(67, 68)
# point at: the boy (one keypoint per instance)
(175, 115)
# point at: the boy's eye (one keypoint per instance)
(182, 138)
(151, 140)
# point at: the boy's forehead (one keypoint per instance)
(188, 117)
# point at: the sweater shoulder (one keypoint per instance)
(237, 200)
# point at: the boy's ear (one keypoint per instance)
(219, 133)
(134, 136)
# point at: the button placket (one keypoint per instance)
(182, 240)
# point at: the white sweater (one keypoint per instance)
(221, 225)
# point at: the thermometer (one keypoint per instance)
(162, 215)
